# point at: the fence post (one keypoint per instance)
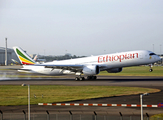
(147, 116)
(56, 116)
(104, 117)
(95, 115)
(80, 117)
(1, 115)
(121, 118)
(24, 115)
(70, 115)
(48, 117)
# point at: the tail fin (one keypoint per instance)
(24, 58)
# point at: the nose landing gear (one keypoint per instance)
(150, 70)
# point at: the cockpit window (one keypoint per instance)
(152, 54)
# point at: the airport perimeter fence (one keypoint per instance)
(14, 116)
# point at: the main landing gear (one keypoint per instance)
(92, 77)
(79, 78)
(88, 78)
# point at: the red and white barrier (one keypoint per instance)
(94, 104)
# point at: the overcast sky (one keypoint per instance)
(82, 27)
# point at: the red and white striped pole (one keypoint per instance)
(95, 104)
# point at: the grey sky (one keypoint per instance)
(82, 27)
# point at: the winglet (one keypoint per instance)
(24, 58)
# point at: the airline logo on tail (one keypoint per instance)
(23, 57)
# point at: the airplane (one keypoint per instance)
(87, 66)
(36, 59)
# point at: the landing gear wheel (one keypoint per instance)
(150, 70)
(94, 77)
(91, 77)
(81, 78)
(88, 77)
(76, 78)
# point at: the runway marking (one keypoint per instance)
(95, 104)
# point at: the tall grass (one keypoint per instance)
(17, 95)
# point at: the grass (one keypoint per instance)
(17, 95)
(157, 117)
(137, 71)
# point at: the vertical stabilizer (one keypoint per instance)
(24, 58)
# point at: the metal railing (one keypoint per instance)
(70, 116)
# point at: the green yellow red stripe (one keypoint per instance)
(26, 61)
(23, 58)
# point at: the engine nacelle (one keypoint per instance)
(114, 70)
(91, 70)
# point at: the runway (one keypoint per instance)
(148, 82)
(134, 81)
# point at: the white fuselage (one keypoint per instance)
(105, 62)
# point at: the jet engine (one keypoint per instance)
(91, 70)
(114, 70)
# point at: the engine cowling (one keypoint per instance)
(114, 70)
(91, 70)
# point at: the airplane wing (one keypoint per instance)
(73, 68)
